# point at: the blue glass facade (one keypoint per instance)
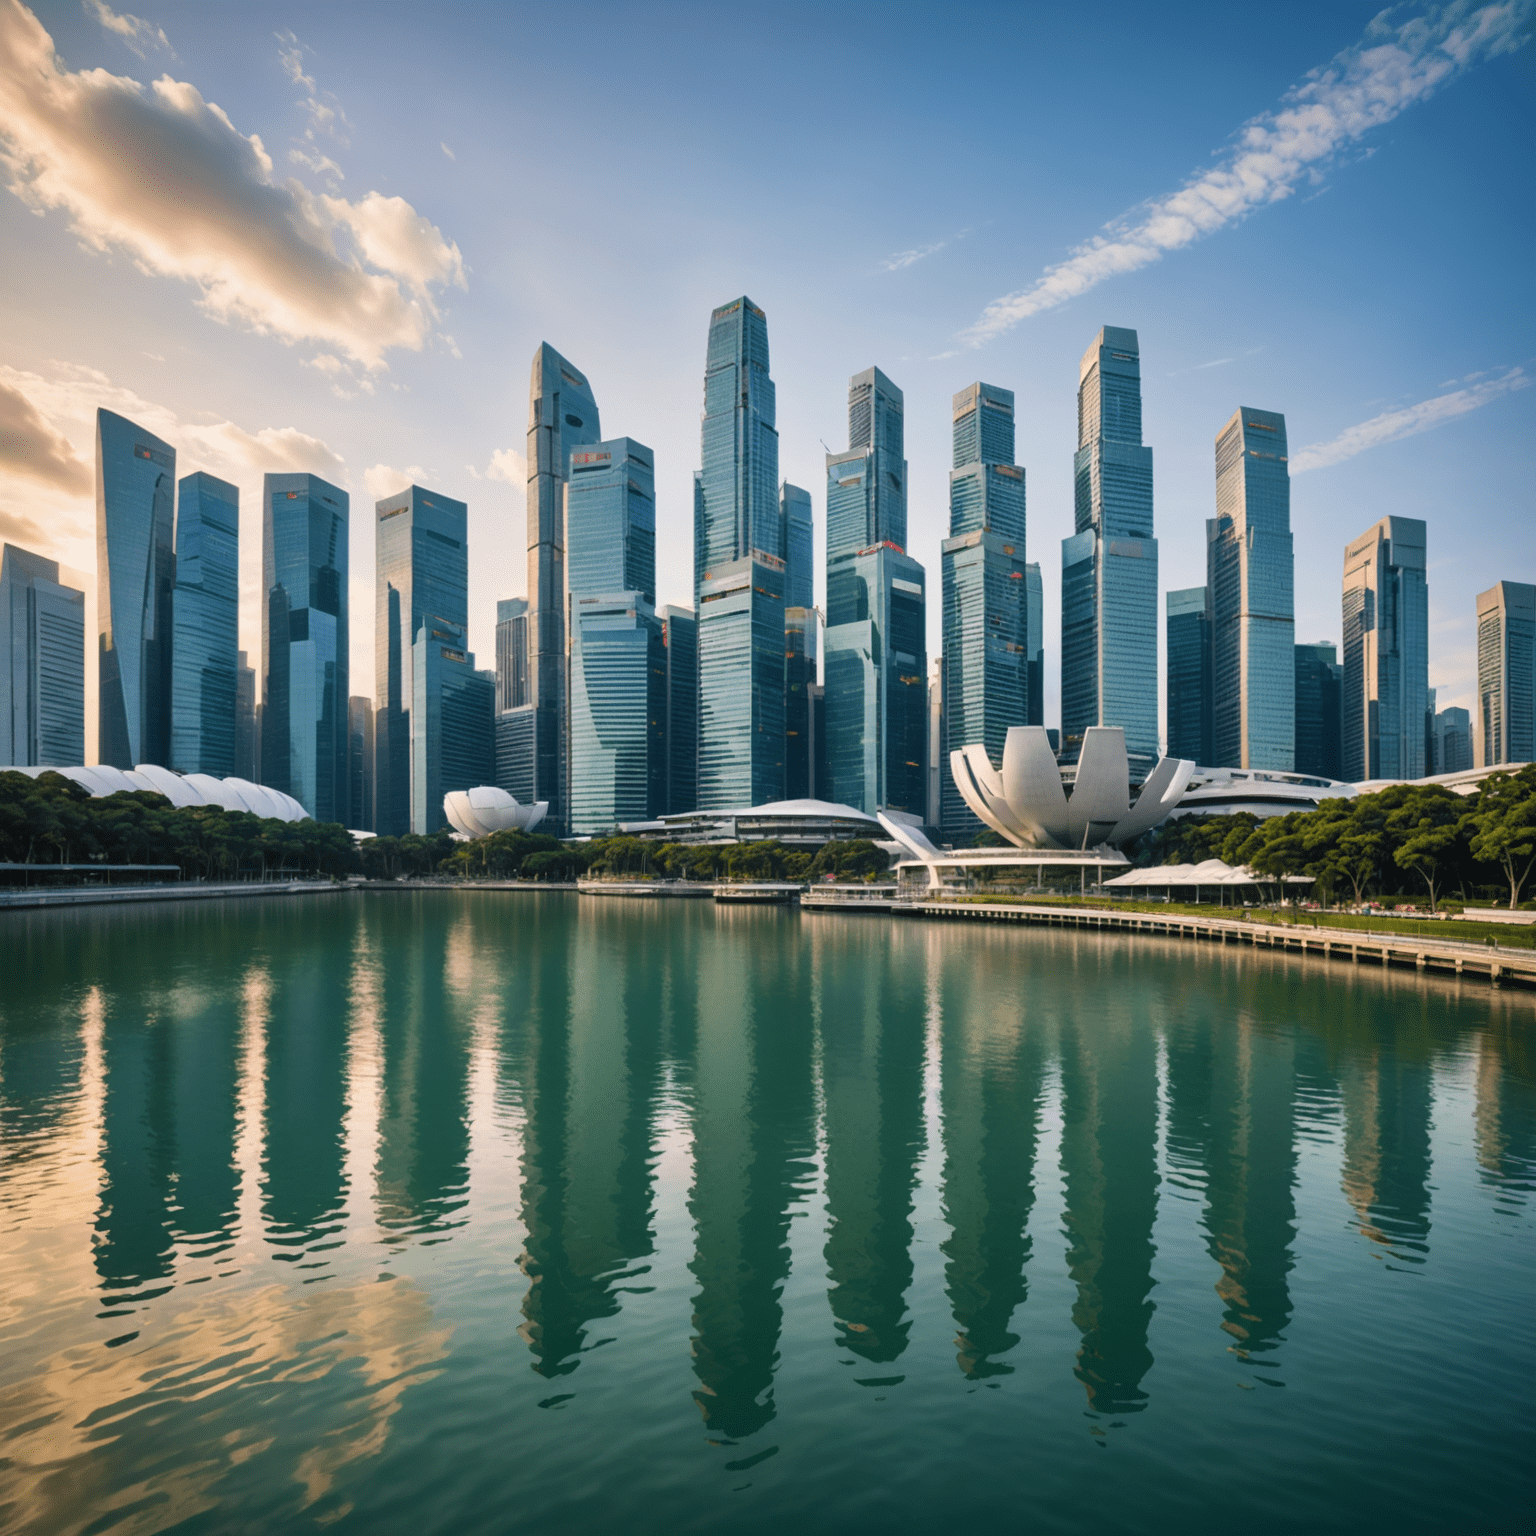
(610, 520)
(741, 684)
(1318, 746)
(1506, 674)
(42, 663)
(1386, 652)
(422, 577)
(799, 547)
(801, 633)
(205, 626)
(562, 417)
(618, 712)
(680, 636)
(1109, 566)
(452, 721)
(1250, 577)
(1453, 741)
(247, 750)
(866, 486)
(304, 651)
(985, 591)
(1034, 646)
(135, 581)
(1188, 651)
(511, 653)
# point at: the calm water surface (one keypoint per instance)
(453, 1212)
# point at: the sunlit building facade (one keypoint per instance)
(1506, 674)
(799, 547)
(610, 520)
(1385, 689)
(1188, 654)
(205, 626)
(42, 662)
(1109, 565)
(135, 582)
(304, 650)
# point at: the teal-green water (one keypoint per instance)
(515, 1212)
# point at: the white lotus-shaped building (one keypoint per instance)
(180, 789)
(1027, 803)
(486, 809)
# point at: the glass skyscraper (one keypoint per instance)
(801, 626)
(1506, 674)
(1034, 646)
(610, 520)
(1109, 566)
(799, 547)
(562, 417)
(422, 578)
(135, 578)
(360, 765)
(1250, 578)
(618, 712)
(680, 637)
(985, 592)
(42, 662)
(1386, 652)
(451, 720)
(205, 626)
(511, 653)
(304, 650)
(1318, 718)
(739, 570)
(247, 748)
(1453, 741)
(1189, 675)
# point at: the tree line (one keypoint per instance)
(1407, 839)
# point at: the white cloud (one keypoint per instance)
(165, 175)
(911, 258)
(32, 449)
(325, 116)
(135, 32)
(321, 165)
(381, 480)
(1367, 85)
(1407, 422)
(509, 465)
(447, 151)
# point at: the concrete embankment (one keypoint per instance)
(123, 895)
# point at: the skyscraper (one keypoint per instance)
(360, 764)
(1034, 645)
(1189, 675)
(986, 592)
(135, 575)
(1506, 674)
(205, 626)
(1386, 652)
(876, 646)
(304, 652)
(1109, 566)
(42, 662)
(739, 572)
(511, 653)
(680, 637)
(452, 720)
(610, 520)
(799, 547)
(247, 748)
(1318, 717)
(422, 578)
(800, 646)
(1250, 577)
(1453, 741)
(562, 416)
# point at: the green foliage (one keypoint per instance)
(1503, 826)
(857, 859)
(393, 858)
(52, 820)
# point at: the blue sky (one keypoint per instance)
(1322, 209)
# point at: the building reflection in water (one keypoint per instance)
(994, 1050)
(871, 1003)
(754, 1140)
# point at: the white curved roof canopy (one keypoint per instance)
(486, 809)
(180, 789)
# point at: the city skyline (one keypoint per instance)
(901, 286)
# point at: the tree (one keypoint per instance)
(1427, 830)
(1503, 826)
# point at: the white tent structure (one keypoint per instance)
(1203, 876)
(180, 789)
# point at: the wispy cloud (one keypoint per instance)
(32, 448)
(126, 163)
(903, 259)
(323, 109)
(381, 480)
(1390, 426)
(135, 32)
(1391, 68)
(446, 150)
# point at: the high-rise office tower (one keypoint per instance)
(360, 765)
(1506, 674)
(247, 749)
(1189, 675)
(799, 547)
(680, 637)
(42, 662)
(511, 653)
(1250, 578)
(1386, 652)
(1453, 740)
(1034, 645)
(304, 650)
(452, 720)
(1109, 566)
(135, 577)
(739, 572)
(801, 627)
(610, 520)
(562, 417)
(618, 712)
(205, 626)
(936, 740)
(986, 592)
(1318, 718)
(876, 646)
(421, 578)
